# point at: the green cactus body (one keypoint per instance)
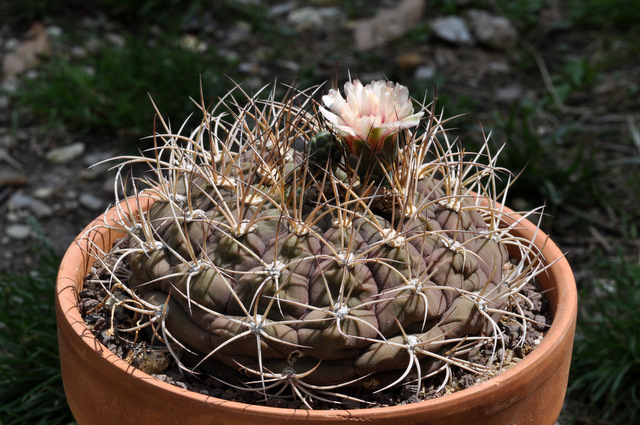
(294, 269)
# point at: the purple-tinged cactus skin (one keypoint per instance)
(279, 254)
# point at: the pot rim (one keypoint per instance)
(564, 310)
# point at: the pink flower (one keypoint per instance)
(371, 115)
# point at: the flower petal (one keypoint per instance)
(370, 113)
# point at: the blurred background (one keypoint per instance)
(557, 82)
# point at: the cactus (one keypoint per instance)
(299, 248)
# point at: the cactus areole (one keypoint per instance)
(304, 248)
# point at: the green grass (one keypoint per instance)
(30, 381)
(605, 14)
(106, 92)
(558, 166)
(605, 373)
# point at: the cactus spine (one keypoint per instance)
(288, 255)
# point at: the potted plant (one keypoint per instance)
(328, 262)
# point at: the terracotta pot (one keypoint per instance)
(103, 389)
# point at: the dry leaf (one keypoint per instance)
(26, 55)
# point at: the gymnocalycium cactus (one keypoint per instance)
(298, 248)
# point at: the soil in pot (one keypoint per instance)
(109, 325)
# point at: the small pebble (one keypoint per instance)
(280, 9)
(18, 232)
(87, 304)
(20, 201)
(509, 93)
(307, 18)
(43, 193)
(65, 153)
(494, 31)
(540, 323)
(91, 202)
(115, 39)
(41, 209)
(452, 29)
(425, 72)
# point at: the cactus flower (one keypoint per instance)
(370, 115)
